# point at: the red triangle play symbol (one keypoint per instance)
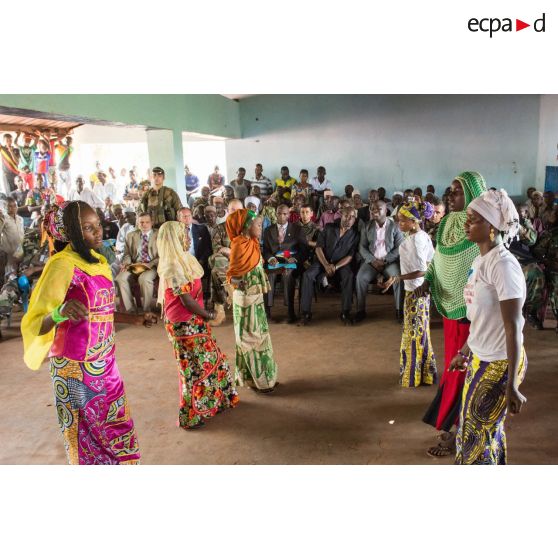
(519, 25)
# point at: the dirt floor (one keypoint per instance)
(339, 401)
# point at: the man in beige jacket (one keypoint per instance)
(140, 248)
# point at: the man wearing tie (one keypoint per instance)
(199, 241)
(140, 248)
(290, 238)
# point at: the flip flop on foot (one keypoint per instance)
(440, 451)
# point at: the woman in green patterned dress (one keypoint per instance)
(255, 365)
(444, 280)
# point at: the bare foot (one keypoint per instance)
(447, 437)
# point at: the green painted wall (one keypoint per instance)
(204, 114)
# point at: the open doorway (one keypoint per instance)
(114, 147)
(202, 153)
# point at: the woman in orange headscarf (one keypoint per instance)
(255, 365)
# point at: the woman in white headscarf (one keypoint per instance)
(493, 354)
(206, 383)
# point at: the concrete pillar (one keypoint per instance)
(165, 150)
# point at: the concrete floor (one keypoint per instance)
(337, 396)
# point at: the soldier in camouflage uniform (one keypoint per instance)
(534, 275)
(31, 266)
(199, 205)
(161, 202)
(546, 253)
(219, 260)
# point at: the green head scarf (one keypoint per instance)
(448, 271)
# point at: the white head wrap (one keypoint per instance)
(498, 209)
(253, 199)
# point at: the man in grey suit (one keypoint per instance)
(379, 244)
(140, 247)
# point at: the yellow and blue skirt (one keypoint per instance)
(417, 361)
(481, 439)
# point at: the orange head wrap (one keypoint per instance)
(245, 251)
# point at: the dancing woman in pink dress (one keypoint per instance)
(71, 319)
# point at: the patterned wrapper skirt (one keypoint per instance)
(417, 361)
(481, 439)
(93, 412)
(206, 386)
(255, 365)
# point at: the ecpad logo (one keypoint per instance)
(493, 25)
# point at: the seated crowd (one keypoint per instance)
(312, 240)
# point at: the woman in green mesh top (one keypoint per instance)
(445, 280)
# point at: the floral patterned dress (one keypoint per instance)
(206, 386)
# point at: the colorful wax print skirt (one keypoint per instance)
(481, 439)
(93, 412)
(417, 361)
(206, 385)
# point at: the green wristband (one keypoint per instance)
(57, 318)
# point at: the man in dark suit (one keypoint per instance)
(199, 246)
(364, 212)
(284, 236)
(335, 249)
(379, 250)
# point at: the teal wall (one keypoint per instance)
(395, 141)
(205, 114)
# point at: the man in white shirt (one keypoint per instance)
(84, 193)
(319, 185)
(128, 226)
(11, 236)
(104, 189)
(121, 183)
(320, 182)
(120, 245)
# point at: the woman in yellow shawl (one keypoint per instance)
(71, 319)
(255, 365)
(206, 386)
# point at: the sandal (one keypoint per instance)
(266, 390)
(440, 451)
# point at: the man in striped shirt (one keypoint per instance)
(265, 185)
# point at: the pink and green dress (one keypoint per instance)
(90, 400)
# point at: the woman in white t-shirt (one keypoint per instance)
(493, 354)
(417, 365)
